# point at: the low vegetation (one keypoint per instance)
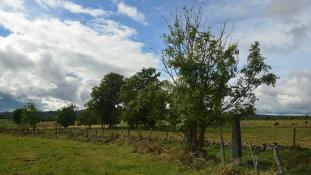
(31, 155)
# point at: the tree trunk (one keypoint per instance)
(90, 125)
(102, 126)
(201, 139)
(192, 139)
(236, 141)
(221, 144)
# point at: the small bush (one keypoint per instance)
(229, 169)
(146, 148)
(276, 123)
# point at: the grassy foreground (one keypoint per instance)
(35, 155)
(29, 155)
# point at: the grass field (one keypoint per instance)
(36, 156)
(6, 123)
(75, 154)
(31, 155)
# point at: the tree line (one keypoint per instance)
(207, 86)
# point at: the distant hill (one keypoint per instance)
(281, 116)
(44, 115)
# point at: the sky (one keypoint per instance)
(52, 52)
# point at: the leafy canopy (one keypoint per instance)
(30, 115)
(105, 99)
(66, 116)
(17, 116)
(144, 100)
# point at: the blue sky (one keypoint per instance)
(53, 51)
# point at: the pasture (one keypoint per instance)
(90, 151)
(253, 131)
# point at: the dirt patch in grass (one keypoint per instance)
(26, 158)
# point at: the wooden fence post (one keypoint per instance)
(294, 136)
(254, 158)
(278, 161)
(139, 132)
(236, 141)
(112, 133)
(121, 133)
(273, 130)
(150, 133)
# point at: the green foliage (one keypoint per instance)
(17, 116)
(144, 100)
(87, 117)
(105, 100)
(30, 115)
(67, 116)
(207, 81)
(241, 97)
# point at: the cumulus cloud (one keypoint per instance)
(12, 4)
(132, 12)
(72, 7)
(291, 95)
(283, 27)
(52, 62)
(287, 8)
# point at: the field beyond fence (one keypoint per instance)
(161, 145)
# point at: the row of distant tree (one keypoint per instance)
(137, 100)
(28, 115)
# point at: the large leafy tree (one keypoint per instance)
(30, 115)
(67, 115)
(144, 100)
(208, 83)
(17, 116)
(188, 59)
(105, 101)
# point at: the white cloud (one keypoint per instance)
(131, 12)
(54, 62)
(72, 7)
(12, 4)
(291, 95)
(283, 27)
